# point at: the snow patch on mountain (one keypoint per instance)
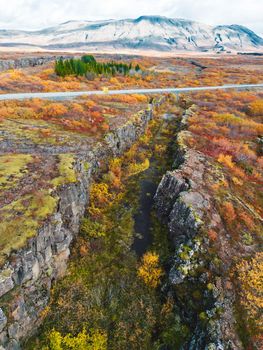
(145, 32)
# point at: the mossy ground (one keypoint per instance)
(12, 167)
(67, 174)
(16, 229)
(26, 204)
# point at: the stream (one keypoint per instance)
(148, 185)
(142, 219)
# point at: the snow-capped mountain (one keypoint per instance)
(146, 32)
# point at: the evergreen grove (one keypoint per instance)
(88, 64)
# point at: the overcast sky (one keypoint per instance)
(36, 14)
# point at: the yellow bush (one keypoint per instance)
(226, 160)
(149, 270)
(95, 340)
(256, 107)
(141, 98)
(100, 197)
(136, 168)
(250, 277)
(99, 194)
(115, 166)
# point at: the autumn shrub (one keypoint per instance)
(247, 220)
(149, 270)
(228, 162)
(115, 166)
(141, 98)
(92, 228)
(255, 108)
(212, 234)
(94, 340)
(113, 177)
(99, 194)
(131, 153)
(54, 110)
(136, 168)
(228, 212)
(250, 279)
(237, 181)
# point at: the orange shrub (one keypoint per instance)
(229, 213)
(90, 104)
(54, 110)
(248, 221)
(212, 234)
(255, 108)
(227, 161)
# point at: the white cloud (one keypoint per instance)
(36, 14)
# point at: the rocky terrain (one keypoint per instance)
(185, 205)
(203, 272)
(209, 278)
(27, 274)
(154, 33)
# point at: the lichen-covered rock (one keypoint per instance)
(186, 259)
(3, 320)
(6, 282)
(184, 203)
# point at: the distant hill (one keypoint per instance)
(144, 33)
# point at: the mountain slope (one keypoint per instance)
(146, 32)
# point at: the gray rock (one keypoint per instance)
(3, 320)
(6, 282)
(27, 62)
(13, 345)
(168, 192)
(3, 337)
(183, 202)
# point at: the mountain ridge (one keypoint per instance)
(145, 32)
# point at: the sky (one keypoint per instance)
(38, 14)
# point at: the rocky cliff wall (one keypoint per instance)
(198, 278)
(25, 62)
(27, 276)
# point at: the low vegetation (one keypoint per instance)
(148, 72)
(95, 340)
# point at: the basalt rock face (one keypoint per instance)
(27, 276)
(184, 203)
(25, 62)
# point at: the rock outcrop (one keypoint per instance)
(197, 278)
(27, 276)
(25, 62)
